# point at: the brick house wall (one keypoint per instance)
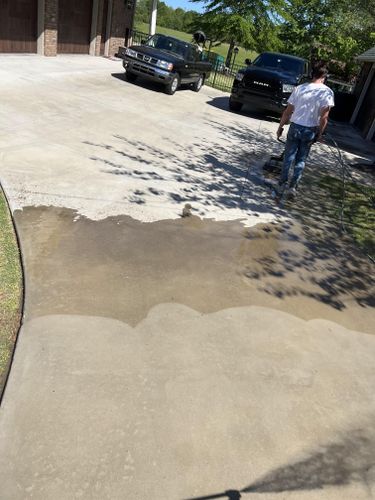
(122, 18)
(121, 13)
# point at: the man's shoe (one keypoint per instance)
(292, 191)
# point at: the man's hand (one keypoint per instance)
(284, 119)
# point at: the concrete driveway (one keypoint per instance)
(168, 358)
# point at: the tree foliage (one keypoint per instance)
(333, 30)
(249, 23)
(168, 17)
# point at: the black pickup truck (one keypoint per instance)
(167, 60)
(268, 82)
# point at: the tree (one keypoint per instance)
(249, 23)
(177, 19)
(142, 11)
(332, 30)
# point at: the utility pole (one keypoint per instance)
(153, 16)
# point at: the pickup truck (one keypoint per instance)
(268, 81)
(167, 60)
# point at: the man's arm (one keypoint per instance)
(285, 119)
(324, 113)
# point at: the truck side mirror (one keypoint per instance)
(248, 62)
(143, 41)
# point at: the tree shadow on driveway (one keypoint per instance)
(212, 175)
(341, 462)
(307, 257)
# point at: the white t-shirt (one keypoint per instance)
(308, 100)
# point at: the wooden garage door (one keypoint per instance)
(74, 26)
(18, 25)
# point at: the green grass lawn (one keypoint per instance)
(10, 289)
(221, 49)
(359, 211)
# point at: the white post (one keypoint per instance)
(154, 14)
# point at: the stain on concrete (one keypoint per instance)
(121, 268)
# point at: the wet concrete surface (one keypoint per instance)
(166, 358)
(121, 268)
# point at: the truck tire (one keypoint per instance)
(198, 84)
(130, 77)
(173, 85)
(235, 105)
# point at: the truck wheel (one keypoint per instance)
(198, 84)
(173, 85)
(235, 105)
(130, 77)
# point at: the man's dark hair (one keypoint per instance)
(319, 70)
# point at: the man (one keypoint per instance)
(308, 109)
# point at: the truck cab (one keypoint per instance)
(268, 81)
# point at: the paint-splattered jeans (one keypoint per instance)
(297, 149)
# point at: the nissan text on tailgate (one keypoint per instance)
(166, 60)
(268, 82)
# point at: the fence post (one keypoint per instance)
(214, 80)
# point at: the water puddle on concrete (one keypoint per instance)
(121, 268)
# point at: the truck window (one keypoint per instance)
(278, 61)
(168, 44)
(193, 54)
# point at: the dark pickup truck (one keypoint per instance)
(268, 82)
(167, 60)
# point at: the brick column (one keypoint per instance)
(122, 18)
(50, 27)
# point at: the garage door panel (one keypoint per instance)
(18, 25)
(74, 26)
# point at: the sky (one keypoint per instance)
(185, 4)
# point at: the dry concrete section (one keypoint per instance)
(82, 137)
(186, 405)
(228, 353)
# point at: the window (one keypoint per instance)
(168, 44)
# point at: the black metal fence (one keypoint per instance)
(222, 77)
(135, 37)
